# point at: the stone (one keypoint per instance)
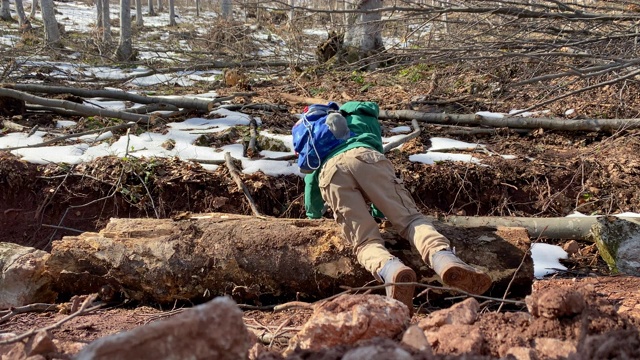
(554, 349)
(23, 278)
(414, 338)
(40, 344)
(377, 352)
(556, 303)
(214, 330)
(462, 313)
(618, 242)
(351, 318)
(521, 353)
(456, 340)
(571, 247)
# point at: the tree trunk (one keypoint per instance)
(51, 30)
(106, 22)
(152, 11)
(124, 51)
(195, 259)
(363, 38)
(34, 7)
(197, 8)
(172, 13)
(139, 20)
(226, 9)
(25, 24)
(160, 6)
(5, 13)
(99, 13)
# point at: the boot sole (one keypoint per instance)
(404, 293)
(467, 279)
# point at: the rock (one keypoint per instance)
(23, 279)
(351, 318)
(556, 303)
(377, 352)
(521, 353)
(456, 340)
(618, 242)
(571, 247)
(462, 313)
(40, 344)
(554, 349)
(619, 344)
(414, 338)
(214, 330)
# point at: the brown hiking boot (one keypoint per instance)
(458, 274)
(396, 272)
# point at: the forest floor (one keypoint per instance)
(554, 174)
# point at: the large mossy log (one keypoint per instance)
(194, 259)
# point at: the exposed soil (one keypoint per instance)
(554, 174)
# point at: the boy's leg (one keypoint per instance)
(390, 195)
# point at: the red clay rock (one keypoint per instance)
(554, 349)
(414, 338)
(456, 340)
(462, 313)
(521, 353)
(214, 330)
(377, 352)
(40, 344)
(556, 303)
(351, 318)
(571, 247)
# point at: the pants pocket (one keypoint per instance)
(326, 174)
(371, 157)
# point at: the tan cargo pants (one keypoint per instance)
(348, 180)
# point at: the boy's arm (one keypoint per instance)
(313, 202)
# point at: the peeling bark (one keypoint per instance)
(162, 260)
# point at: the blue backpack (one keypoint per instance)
(312, 139)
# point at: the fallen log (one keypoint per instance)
(610, 125)
(568, 228)
(195, 259)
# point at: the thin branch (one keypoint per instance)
(235, 174)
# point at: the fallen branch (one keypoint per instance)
(71, 136)
(414, 134)
(13, 126)
(38, 307)
(181, 102)
(513, 122)
(82, 109)
(84, 309)
(235, 174)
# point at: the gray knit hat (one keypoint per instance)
(338, 126)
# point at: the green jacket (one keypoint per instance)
(362, 119)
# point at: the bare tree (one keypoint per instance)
(5, 13)
(51, 30)
(172, 13)
(24, 23)
(152, 11)
(226, 9)
(160, 6)
(99, 13)
(34, 6)
(139, 21)
(124, 51)
(106, 22)
(363, 34)
(197, 8)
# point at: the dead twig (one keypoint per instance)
(235, 174)
(414, 134)
(37, 307)
(84, 309)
